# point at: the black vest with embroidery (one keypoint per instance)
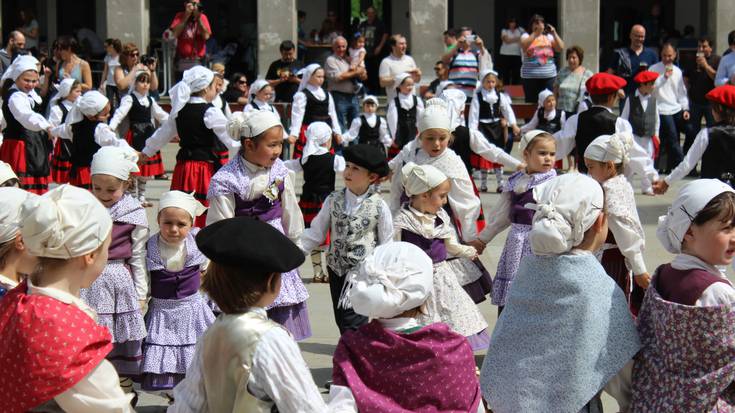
(552, 126)
(718, 160)
(592, 123)
(84, 146)
(197, 140)
(316, 110)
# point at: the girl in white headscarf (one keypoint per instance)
(607, 158)
(261, 96)
(369, 127)
(15, 262)
(422, 221)
(221, 151)
(8, 176)
(311, 103)
(198, 124)
(320, 167)
(547, 118)
(403, 113)
(491, 113)
(69, 231)
(68, 92)
(26, 134)
(142, 114)
(177, 313)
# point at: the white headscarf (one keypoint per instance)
(178, 199)
(62, 91)
(528, 137)
(22, 63)
(444, 85)
(418, 179)
(399, 79)
(65, 222)
(542, 95)
(456, 100)
(251, 124)
(257, 86)
(370, 98)
(692, 198)
(11, 200)
(131, 88)
(395, 277)
(89, 104)
(306, 75)
(317, 135)
(435, 116)
(194, 80)
(481, 79)
(115, 161)
(566, 207)
(615, 148)
(6, 172)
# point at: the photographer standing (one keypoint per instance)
(467, 61)
(191, 29)
(538, 70)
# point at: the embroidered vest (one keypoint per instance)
(353, 236)
(642, 121)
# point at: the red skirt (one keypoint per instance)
(152, 166)
(393, 151)
(310, 210)
(478, 162)
(194, 176)
(481, 217)
(222, 157)
(13, 152)
(300, 142)
(559, 164)
(61, 162)
(81, 176)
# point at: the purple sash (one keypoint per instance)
(121, 247)
(168, 285)
(434, 248)
(519, 214)
(261, 208)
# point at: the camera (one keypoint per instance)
(197, 5)
(471, 38)
(147, 60)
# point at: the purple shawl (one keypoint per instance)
(128, 210)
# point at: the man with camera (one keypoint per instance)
(467, 60)
(191, 29)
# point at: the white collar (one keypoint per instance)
(577, 251)
(197, 99)
(685, 261)
(253, 168)
(369, 116)
(139, 96)
(352, 197)
(7, 282)
(67, 103)
(551, 115)
(489, 96)
(63, 296)
(313, 88)
(262, 105)
(399, 323)
(601, 106)
(638, 93)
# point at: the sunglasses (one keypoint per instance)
(144, 81)
(134, 54)
(241, 82)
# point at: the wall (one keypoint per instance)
(316, 12)
(276, 23)
(479, 15)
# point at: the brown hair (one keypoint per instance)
(235, 288)
(127, 50)
(578, 50)
(721, 207)
(601, 99)
(5, 249)
(143, 76)
(115, 43)
(546, 136)
(725, 113)
(14, 182)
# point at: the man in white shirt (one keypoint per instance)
(396, 63)
(726, 69)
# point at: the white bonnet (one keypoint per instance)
(615, 148)
(11, 200)
(251, 124)
(528, 137)
(115, 161)
(178, 199)
(435, 116)
(418, 179)
(6, 172)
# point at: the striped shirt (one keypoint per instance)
(538, 60)
(463, 71)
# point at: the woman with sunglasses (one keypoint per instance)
(237, 90)
(129, 65)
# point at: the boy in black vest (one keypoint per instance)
(641, 111)
(369, 128)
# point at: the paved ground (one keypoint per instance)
(318, 349)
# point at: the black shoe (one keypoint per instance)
(328, 384)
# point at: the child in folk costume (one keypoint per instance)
(357, 219)
(463, 206)
(8, 177)
(141, 111)
(641, 110)
(261, 97)
(547, 118)
(26, 142)
(491, 113)
(424, 223)
(715, 146)
(311, 103)
(608, 158)
(403, 113)
(369, 128)
(371, 364)
(69, 231)
(320, 168)
(69, 91)
(120, 293)
(198, 124)
(15, 262)
(687, 320)
(87, 129)
(177, 313)
(221, 151)
(257, 184)
(539, 152)
(245, 362)
(562, 295)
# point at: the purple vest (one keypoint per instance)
(121, 247)
(519, 214)
(175, 285)
(261, 208)
(683, 286)
(434, 248)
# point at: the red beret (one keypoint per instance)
(604, 84)
(645, 76)
(724, 95)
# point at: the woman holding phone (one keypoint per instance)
(538, 70)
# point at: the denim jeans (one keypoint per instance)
(696, 112)
(347, 108)
(671, 125)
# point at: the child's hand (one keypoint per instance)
(516, 130)
(292, 139)
(143, 305)
(521, 166)
(479, 246)
(660, 187)
(643, 280)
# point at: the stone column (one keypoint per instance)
(276, 23)
(428, 22)
(720, 17)
(579, 24)
(129, 21)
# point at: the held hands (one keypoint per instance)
(660, 187)
(521, 166)
(292, 139)
(686, 115)
(643, 280)
(516, 130)
(479, 246)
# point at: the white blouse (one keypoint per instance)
(298, 109)
(671, 94)
(690, 160)
(406, 102)
(55, 115)
(157, 113)
(103, 135)
(20, 105)
(223, 206)
(716, 294)
(624, 223)
(174, 255)
(371, 118)
(506, 109)
(137, 261)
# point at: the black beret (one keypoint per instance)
(369, 157)
(250, 244)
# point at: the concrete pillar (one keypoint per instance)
(129, 21)
(721, 15)
(428, 22)
(276, 23)
(579, 24)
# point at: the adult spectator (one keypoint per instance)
(395, 63)
(538, 69)
(29, 28)
(467, 60)
(331, 28)
(726, 70)
(701, 81)
(628, 61)
(16, 44)
(673, 106)
(450, 40)
(303, 42)
(442, 73)
(376, 36)
(281, 73)
(72, 66)
(191, 29)
(509, 59)
(237, 90)
(568, 84)
(342, 82)
(129, 65)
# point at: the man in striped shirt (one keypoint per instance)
(467, 60)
